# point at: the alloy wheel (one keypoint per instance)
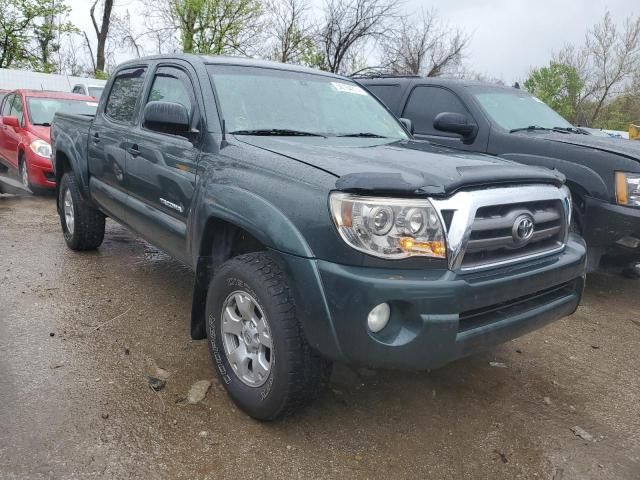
(69, 218)
(246, 337)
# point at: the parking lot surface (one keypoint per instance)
(81, 333)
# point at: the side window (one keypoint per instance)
(172, 85)
(123, 97)
(425, 103)
(388, 94)
(6, 106)
(77, 89)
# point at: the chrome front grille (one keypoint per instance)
(502, 226)
(492, 237)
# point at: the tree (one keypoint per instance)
(102, 34)
(616, 56)
(48, 31)
(558, 85)
(212, 27)
(27, 32)
(290, 29)
(347, 24)
(423, 46)
(606, 64)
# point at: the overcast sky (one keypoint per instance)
(508, 36)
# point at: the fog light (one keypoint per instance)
(379, 317)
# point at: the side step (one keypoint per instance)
(12, 186)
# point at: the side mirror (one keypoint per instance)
(456, 123)
(166, 117)
(408, 124)
(11, 122)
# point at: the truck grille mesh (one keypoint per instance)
(494, 236)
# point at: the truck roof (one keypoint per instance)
(232, 60)
(415, 80)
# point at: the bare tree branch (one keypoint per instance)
(423, 46)
(349, 23)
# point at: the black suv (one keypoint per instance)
(602, 173)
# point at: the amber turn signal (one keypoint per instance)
(436, 249)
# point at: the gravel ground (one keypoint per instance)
(80, 333)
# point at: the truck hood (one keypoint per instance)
(406, 167)
(616, 146)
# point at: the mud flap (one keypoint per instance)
(199, 305)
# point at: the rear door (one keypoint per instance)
(425, 103)
(109, 141)
(12, 135)
(161, 171)
(6, 109)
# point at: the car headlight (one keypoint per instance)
(628, 189)
(389, 228)
(42, 148)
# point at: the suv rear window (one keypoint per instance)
(124, 95)
(388, 94)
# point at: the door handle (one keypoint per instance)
(96, 137)
(134, 150)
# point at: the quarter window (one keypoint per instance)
(426, 103)
(124, 94)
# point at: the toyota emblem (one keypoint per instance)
(523, 228)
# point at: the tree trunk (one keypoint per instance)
(102, 32)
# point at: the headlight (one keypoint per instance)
(389, 228)
(42, 148)
(628, 189)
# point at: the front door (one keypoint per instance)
(161, 171)
(109, 143)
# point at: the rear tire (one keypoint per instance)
(82, 224)
(266, 366)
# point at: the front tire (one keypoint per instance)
(24, 172)
(82, 224)
(256, 341)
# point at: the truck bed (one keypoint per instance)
(71, 132)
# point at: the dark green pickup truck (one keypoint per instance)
(318, 229)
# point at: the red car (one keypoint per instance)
(25, 144)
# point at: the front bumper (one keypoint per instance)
(606, 224)
(41, 172)
(437, 316)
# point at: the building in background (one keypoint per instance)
(21, 79)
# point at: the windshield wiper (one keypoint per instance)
(363, 135)
(43, 124)
(577, 130)
(277, 132)
(529, 128)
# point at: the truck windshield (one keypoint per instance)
(41, 110)
(514, 109)
(265, 101)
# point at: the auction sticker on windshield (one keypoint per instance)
(347, 88)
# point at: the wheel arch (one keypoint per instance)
(229, 222)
